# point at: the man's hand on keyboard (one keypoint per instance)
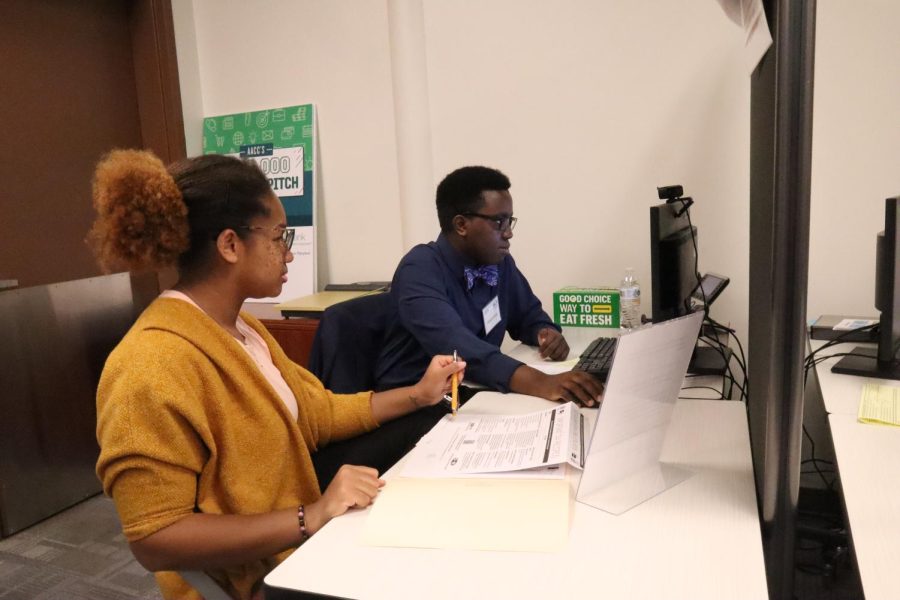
(575, 386)
(552, 344)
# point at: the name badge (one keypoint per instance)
(491, 314)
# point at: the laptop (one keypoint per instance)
(622, 467)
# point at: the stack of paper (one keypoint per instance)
(528, 445)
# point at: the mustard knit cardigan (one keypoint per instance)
(187, 423)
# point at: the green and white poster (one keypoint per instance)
(281, 142)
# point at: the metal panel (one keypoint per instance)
(55, 340)
(780, 152)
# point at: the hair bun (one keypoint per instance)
(141, 218)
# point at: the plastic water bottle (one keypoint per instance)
(629, 301)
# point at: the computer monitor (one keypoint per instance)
(882, 361)
(674, 277)
(673, 261)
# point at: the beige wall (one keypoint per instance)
(254, 55)
(586, 105)
(856, 150)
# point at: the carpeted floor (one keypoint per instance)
(77, 554)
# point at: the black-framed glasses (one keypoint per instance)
(503, 223)
(287, 234)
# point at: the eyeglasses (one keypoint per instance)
(503, 223)
(286, 236)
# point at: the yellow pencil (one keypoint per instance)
(454, 387)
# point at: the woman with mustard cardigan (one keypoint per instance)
(206, 428)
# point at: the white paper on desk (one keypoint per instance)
(482, 443)
(552, 367)
(531, 356)
(850, 324)
(511, 515)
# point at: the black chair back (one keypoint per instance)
(347, 343)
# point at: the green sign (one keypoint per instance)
(281, 141)
(586, 307)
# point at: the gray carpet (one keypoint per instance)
(77, 554)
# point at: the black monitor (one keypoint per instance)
(882, 361)
(674, 277)
(673, 261)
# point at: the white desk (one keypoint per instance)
(578, 339)
(867, 463)
(870, 478)
(699, 539)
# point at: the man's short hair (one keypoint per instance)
(460, 192)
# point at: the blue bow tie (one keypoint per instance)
(488, 273)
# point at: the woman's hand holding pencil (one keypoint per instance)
(442, 377)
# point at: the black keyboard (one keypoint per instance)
(597, 357)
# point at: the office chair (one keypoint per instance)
(347, 342)
(343, 356)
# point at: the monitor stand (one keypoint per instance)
(864, 363)
(707, 360)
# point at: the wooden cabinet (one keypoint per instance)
(294, 335)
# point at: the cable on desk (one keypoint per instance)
(839, 340)
(718, 347)
(820, 359)
(686, 203)
(741, 361)
(810, 361)
(815, 461)
(701, 387)
(728, 382)
(685, 208)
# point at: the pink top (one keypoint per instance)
(258, 351)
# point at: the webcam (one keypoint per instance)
(670, 193)
(674, 193)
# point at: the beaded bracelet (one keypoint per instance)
(301, 519)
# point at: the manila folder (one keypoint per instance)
(514, 515)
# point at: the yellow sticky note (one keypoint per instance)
(879, 404)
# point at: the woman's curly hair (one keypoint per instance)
(141, 219)
(150, 216)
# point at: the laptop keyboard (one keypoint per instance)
(597, 357)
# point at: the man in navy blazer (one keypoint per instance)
(463, 292)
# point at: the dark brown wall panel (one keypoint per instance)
(156, 77)
(68, 94)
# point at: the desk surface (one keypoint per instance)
(866, 461)
(699, 539)
(264, 311)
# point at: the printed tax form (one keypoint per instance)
(530, 445)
